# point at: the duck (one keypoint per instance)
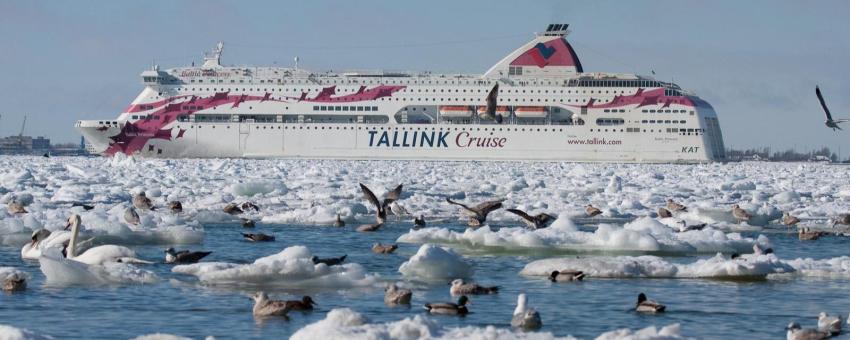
(673, 206)
(459, 287)
(841, 219)
(14, 207)
(250, 206)
(524, 317)
(142, 202)
(306, 303)
(664, 213)
(131, 216)
(184, 256)
(685, 227)
(380, 205)
(14, 283)
(566, 276)
(331, 261)
(539, 221)
(807, 234)
(97, 255)
(379, 248)
(740, 214)
(795, 332)
(263, 306)
(478, 214)
(232, 208)
(397, 296)
(339, 222)
(592, 211)
(259, 237)
(176, 207)
(648, 306)
(789, 220)
(449, 308)
(829, 323)
(419, 222)
(247, 223)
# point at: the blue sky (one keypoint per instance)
(756, 62)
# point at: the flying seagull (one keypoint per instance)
(830, 123)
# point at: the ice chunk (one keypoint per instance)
(11, 333)
(670, 332)
(434, 263)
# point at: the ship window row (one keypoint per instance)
(652, 121)
(345, 108)
(610, 121)
(666, 111)
(613, 83)
(614, 110)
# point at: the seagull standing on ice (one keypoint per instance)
(592, 211)
(131, 216)
(478, 214)
(674, 207)
(789, 220)
(740, 214)
(142, 202)
(398, 210)
(14, 207)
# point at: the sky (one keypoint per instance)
(757, 62)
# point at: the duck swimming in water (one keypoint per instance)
(448, 308)
(644, 305)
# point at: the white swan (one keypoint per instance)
(100, 254)
(43, 239)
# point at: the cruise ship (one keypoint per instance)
(537, 103)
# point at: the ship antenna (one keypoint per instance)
(296, 63)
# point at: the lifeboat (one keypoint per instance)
(455, 111)
(503, 111)
(530, 111)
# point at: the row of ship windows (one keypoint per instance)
(501, 91)
(345, 108)
(684, 132)
(382, 81)
(648, 111)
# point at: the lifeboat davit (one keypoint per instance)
(503, 111)
(530, 111)
(455, 111)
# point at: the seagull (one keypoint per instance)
(398, 210)
(131, 216)
(740, 214)
(664, 213)
(539, 221)
(566, 275)
(841, 219)
(142, 202)
(829, 323)
(685, 227)
(15, 207)
(479, 212)
(648, 306)
(379, 248)
(490, 112)
(673, 206)
(232, 209)
(795, 332)
(258, 237)
(524, 317)
(339, 222)
(462, 288)
(830, 123)
(419, 222)
(15, 283)
(306, 303)
(263, 306)
(184, 256)
(592, 211)
(789, 220)
(380, 205)
(758, 250)
(331, 261)
(175, 206)
(396, 296)
(449, 308)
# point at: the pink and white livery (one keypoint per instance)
(535, 104)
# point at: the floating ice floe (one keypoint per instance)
(343, 323)
(642, 235)
(292, 267)
(717, 267)
(162, 336)
(670, 332)
(12, 333)
(435, 263)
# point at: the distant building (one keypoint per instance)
(24, 145)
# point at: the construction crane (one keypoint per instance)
(21, 134)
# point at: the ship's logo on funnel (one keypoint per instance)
(541, 54)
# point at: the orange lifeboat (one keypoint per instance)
(455, 111)
(503, 111)
(530, 111)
